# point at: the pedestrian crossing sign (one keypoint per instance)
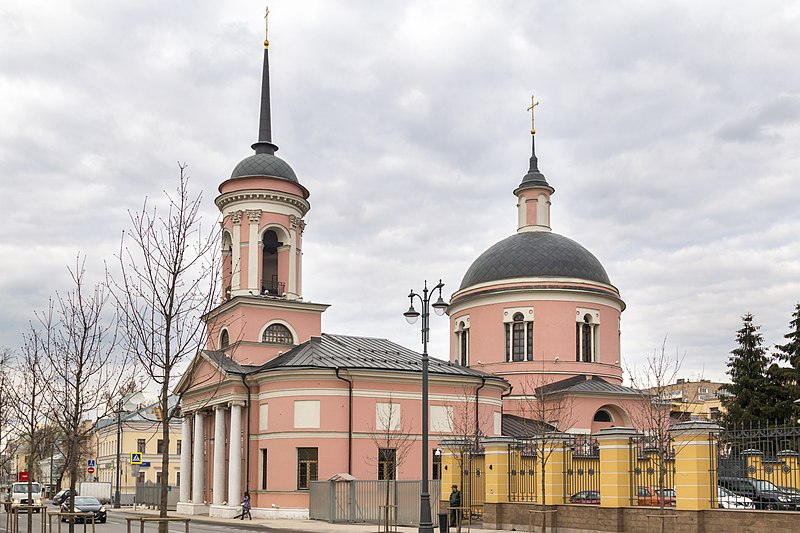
(136, 458)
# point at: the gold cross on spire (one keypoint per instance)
(266, 28)
(533, 104)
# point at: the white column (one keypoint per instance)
(236, 260)
(292, 289)
(186, 459)
(235, 461)
(253, 283)
(219, 455)
(198, 461)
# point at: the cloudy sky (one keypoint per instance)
(670, 131)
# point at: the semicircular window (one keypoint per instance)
(224, 339)
(602, 416)
(278, 334)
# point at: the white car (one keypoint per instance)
(730, 500)
(19, 494)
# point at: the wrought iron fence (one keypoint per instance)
(522, 468)
(768, 454)
(473, 486)
(582, 468)
(652, 470)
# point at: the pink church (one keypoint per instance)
(272, 403)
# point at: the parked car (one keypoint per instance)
(586, 496)
(648, 496)
(86, 504)
(765, 494)
(62, 496)
(730, 500)
(790, 491)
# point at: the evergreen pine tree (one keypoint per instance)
(790, 353)
(750, 398)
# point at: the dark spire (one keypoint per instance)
(265, 144)
(533, 177)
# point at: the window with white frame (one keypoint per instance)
(462, 341)
(518, 325)
(587, 335)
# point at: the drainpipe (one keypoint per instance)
(477, 429)
(349, 422)
(247, 440)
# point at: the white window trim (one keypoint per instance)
(283, 323)
(509, 312)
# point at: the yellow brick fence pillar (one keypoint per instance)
(616, 454)
(451, 466)
(695, 445)
(496, 468)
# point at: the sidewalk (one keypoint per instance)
(300, 526)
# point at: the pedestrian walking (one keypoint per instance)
(245, 508)
(455, 504)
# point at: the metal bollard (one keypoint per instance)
(444, 523)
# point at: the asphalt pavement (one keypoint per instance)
(200, 522)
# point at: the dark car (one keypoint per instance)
(61, 496)
(86, 504)
(586, 496)
(765, 494)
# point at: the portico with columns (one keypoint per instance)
(225, 467)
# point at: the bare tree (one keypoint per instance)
(6, 360)
(391, 435)
(651, 413)
(167, 283)
(548, 413)
(27, 399)
(466, 429)
(85, 365)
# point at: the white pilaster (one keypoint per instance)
(198, 480)
(186, 459)
(219, 455)
(235, 461)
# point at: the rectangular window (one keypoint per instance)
(387, 463)
(508, 342)
(529, 340)
(307, 464)
(160, 446)
(436, 465)
(264, 469)
(518, 342)
(158, 477)
(179, 447)
(178, 478)
(140, 477)
(140, 445)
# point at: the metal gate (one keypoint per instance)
(652, 470)
(521, 472)
(582, 468)
(473, 486)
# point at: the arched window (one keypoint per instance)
(224, 339)
(519, 339)
(586, 339)
(269, 267)
(602, 416)
(462, 344)
(278, 334)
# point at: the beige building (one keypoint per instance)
(141, 433)
(695, 400)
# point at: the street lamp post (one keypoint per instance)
(425, 524)
(119, 451)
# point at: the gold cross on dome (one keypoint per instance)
(534, 103)
(266, 28)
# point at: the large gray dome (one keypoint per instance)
(535, 254)
(264, 165)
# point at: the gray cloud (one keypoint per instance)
(666, 129)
